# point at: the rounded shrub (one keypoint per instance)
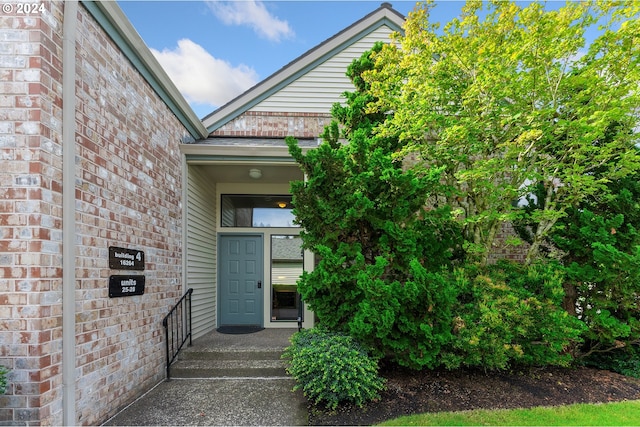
(332, 368)
(511, 314)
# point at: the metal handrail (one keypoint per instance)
(177, 328)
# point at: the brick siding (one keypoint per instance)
(128, 194)
(501, 250)
(274, 125)
(30, 218)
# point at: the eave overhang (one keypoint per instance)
(203, 154)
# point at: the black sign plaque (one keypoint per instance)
(125, 285)
(125, 259)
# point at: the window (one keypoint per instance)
(257, 211)
(287, 261)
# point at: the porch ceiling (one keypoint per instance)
(231, 164)
(239, 173)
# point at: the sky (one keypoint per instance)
(215, 50)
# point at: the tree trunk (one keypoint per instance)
(488, 243)
(544, 226)
(570, 298)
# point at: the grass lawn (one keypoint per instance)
(606, 414)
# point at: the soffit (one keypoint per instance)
(239, 174)
(231, 163)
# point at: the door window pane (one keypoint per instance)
(287, 262)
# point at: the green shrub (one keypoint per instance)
(3, 379)
(492, 317)
(407, 322)
(379, 250)
(625, 361)
(604, 275)
(332, 368)
(600, 243)
(510, 314)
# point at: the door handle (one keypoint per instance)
(259, 284)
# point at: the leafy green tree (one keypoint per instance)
(510, 100)
(364, 214)
(598, 243)
(387, 273)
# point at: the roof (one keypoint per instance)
(384, 15)
(286, 248)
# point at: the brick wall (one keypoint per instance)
(128, 194)
(501, 250)
(275, 125)
(30, 215)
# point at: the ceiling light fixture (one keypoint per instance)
(255, 173)
(282, 205)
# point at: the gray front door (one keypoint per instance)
(240, 272)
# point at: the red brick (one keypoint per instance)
(101, 146)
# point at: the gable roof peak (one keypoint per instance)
(385, 15)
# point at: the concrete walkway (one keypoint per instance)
(195, 396)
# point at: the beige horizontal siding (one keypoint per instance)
(201, 250)
(320, 88)
(287, 274)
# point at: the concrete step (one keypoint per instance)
(222, 354)
(228, 368)
(216, 355)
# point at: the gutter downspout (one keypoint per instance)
(69, 27)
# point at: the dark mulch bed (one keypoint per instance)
(410, 392)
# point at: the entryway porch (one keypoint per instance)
(224, 379)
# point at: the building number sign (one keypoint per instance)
(126, 259)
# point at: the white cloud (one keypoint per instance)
(201, 78)
(254, 14)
